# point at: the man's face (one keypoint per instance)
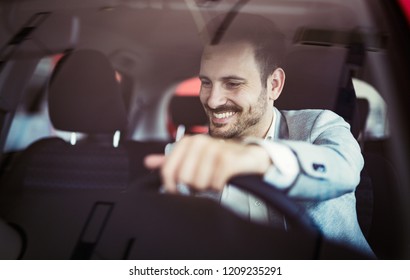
(233, 97)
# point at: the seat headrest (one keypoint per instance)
(312, 78)
(84, 95)
(187, 110)
(313, 81)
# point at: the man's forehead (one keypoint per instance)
(228, 59)
(225, 61)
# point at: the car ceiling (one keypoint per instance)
(143, 37)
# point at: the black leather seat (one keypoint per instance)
(319, 86)
(187, 111)
(84, 97)
(381, 213)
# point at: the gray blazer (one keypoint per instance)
(329, 173)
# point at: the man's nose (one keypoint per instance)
(216, 97)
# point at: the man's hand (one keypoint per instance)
(204, 163)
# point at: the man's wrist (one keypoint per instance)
(284, 167)
(263, 160)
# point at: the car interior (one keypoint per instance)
(89, 88)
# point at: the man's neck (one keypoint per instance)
(270, 133)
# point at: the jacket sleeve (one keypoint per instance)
(330, 160)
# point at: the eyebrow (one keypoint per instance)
(231, 77)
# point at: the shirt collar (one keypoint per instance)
(271, 132)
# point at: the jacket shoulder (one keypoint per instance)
(303, 124)
(308, 113)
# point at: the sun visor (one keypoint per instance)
(45, 34)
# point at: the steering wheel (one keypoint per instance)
(303, 237)
(254, 184)
(276, 199)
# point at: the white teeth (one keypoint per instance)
(223, 115)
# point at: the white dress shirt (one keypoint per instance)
(281, 174)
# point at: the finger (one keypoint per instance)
(223, 166)
(172, 165)
(239, 159)
(154, 161)
(204, 171)
(196, 162)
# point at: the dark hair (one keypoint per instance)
(268, 42)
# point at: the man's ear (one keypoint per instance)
(276, 81)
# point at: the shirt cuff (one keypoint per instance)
(285, 168)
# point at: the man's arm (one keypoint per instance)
(329, 159)
(204, 163)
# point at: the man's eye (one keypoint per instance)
(205, 84)
(232, 85)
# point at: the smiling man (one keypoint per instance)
(309, 154)
(236, 102)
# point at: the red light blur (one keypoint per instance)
(405, 6)
(189, 87)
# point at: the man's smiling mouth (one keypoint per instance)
(223, 115)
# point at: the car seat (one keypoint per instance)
(319, 87)
(83, 97)
(384, 233)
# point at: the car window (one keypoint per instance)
(349, 57)
(377, 124)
